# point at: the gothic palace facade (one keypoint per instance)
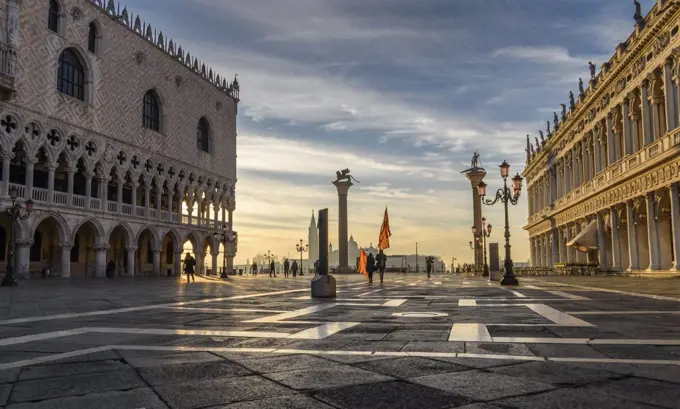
(604, 186)
(125, 142)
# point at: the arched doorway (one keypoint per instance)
(171, 254)
(119, 245)
(191, 245)
(88, 255)
(46, 252)
(148, 254)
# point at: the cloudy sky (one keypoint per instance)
(402, 92)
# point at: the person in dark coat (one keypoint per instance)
(286, 268)
(294, 268)
(429, 261)
(111, 269)
(189, 264)
(381, 261)
(272, 270)
(370, 266)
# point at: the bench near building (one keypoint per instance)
(125, 142)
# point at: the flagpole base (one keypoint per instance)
(323, 286)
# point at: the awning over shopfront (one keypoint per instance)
(586, 241)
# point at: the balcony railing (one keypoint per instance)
(614, 172)
(61, 198)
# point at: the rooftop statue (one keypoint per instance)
(591, 67)
(572, 104)
(638, 12)
(581, 92)
(564, 112)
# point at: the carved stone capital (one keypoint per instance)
(101, 247)
(130, 249)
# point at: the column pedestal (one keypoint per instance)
(100, 260)
(130, 260)
(156, 262)
(476, 176)
(178, 263)
(343, 188)
(65, 261)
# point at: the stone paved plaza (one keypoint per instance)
(446, 342)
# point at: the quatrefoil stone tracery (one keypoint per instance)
(91, 148)
(9, 124)
(73, 143)
(54, 137)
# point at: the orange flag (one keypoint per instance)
(385, 233)
(363, 258)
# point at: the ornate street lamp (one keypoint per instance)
(16, 212)
(505, 196)
(301, 248)
(225, 237)
(486, 233)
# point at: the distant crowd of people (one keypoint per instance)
(289, 269)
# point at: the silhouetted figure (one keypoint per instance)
(381, 261)
(272, 269)
(189, 265)
(253, 269)
(111, 269)
(294, 268)
(286, 268)
(370, 266)
(428, 263)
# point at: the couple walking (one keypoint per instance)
(379, 263)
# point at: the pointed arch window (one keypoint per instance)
(71, 75)
(92, 38)
(203, 135)
(149, 252)
(53, 19)
(169, 253)
(151, 115)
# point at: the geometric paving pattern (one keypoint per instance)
(444, 342)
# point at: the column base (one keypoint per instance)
(324, 287)
(509, 281)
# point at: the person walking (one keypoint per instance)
(294, 268)
(381, 261)
(286, 268)
(428, 263)
(189, 264)
(370, 266)
(272, 270)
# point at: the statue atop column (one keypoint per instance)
(344, 175)
(475, 164)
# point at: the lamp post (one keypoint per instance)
(484, 234)
(270, 257)
(472, 247)
(506, 197)
(227, 236)
(16, 212)
(301, 248)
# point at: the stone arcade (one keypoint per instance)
(124, 141)
(603, 187)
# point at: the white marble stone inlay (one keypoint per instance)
(467, 303)
(469, 332)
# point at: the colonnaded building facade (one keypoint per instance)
(126, 143)
(603, 187)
